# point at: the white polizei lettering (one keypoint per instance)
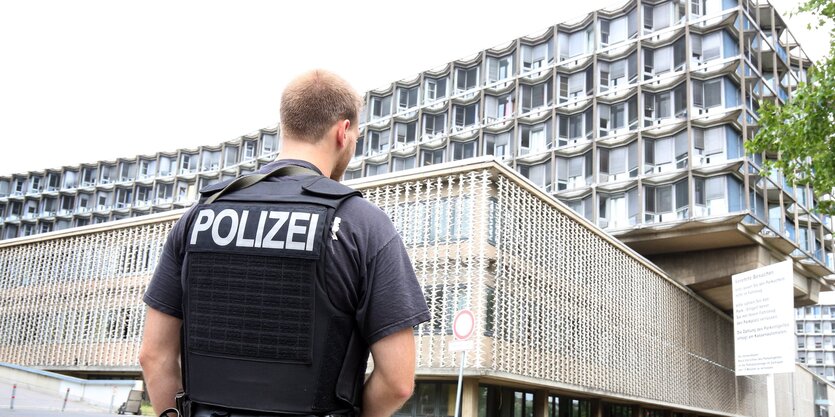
(204, 222)
(225, 240)
(311, 232)
(259, 232)
(295, 229)
(268, 242)
(242, 242)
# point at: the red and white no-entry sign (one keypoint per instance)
(463, 325)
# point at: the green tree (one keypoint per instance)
(802, 131)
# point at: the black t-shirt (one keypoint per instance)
(369, 270)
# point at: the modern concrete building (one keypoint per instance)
(633, 116)
(816, 336)
(558, 331)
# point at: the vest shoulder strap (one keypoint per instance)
(213, 192)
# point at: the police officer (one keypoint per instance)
(271, 291)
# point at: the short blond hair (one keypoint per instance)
(313, 102)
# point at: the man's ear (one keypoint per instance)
(341, 132)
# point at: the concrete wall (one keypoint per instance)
(101, 393)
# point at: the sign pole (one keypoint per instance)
(460, 379)
(462, 328)
(772, 406)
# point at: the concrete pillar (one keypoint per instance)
(596, 408)
(540, 403)
(469, 398)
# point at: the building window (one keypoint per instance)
(617, 211)
(664, 203)
(269, 144)
(165, 193)
(614, 75)
(53, 180)
(188, 163)
(34, 184)
(716, 145)
(231, 156)
(67, 204)
(574, 172)
(380, 107)
(359, 149)
(407, 98)
(434, 124)
(582, 206)
(106, 172)
(249, 150)
(465, 79)
(717, 195)
(663, 60)
(499, 69)
(127, 171)
(660, 16)
(405, 134)
(211, 161)
(88, 177)
(617, 164)
(706, 48)
(147, 168)
(431, 156)
(714, 93)
(376, 169)
(403, 163)
(576, 86)
(434, 88)
(534, 97)
(577, 43)
(430, 399)
(665, 105)
(123, 198)
(351, 174)
(498, 108)
(463, 150)
(465, 116)
(665, 154)
(568, 407)
(574, 128)
(497, 145)
(539, 174)
(534, 139)
(618, 117)
(103, 201)
(618, 29)
(535, 57)
(378, 142)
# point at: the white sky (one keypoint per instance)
(83, 81)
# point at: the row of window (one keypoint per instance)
(569, 45)
(437, 399)
(45, 225)
(815, 327)
(660, 155)
(571, 129)
(134, 196)
(131, 170)
(570, 87)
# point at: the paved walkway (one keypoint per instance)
(30, 403)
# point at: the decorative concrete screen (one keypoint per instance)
(559, 304)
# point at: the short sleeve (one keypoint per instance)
(165, 292)
(393, 300)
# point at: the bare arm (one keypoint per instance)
(393, 378)
(160, 358)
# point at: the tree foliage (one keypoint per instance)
(802, 131)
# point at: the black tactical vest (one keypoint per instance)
(259, 330)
